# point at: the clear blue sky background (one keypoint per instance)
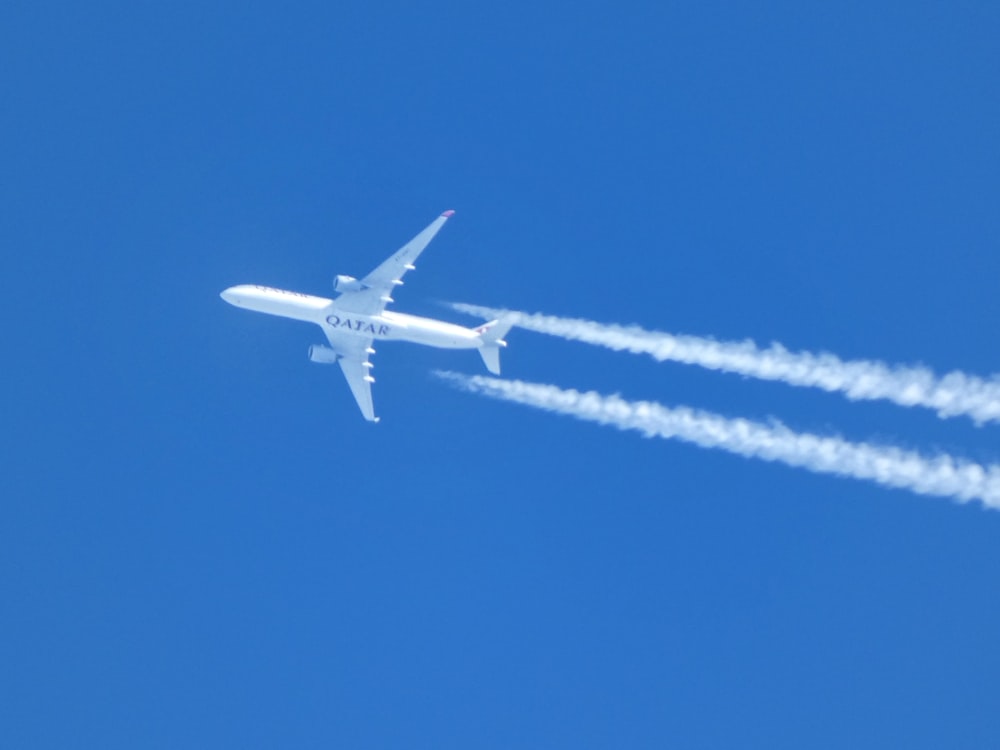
(202, 544)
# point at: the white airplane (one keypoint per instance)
(358, 316)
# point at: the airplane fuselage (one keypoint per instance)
(386, 326)
(357, 318)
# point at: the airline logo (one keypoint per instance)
(358, 324)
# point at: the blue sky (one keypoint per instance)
(203, 544)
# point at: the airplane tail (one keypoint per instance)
(492, 334)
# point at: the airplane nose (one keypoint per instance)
(229, 295)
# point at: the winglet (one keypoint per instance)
(448, 213)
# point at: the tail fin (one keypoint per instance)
(492, 334)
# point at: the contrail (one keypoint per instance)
(950, 395)
(940, 475)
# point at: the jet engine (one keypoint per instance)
(348, 284)
(323, 354)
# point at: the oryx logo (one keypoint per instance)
(357, 324)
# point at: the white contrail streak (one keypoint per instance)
(950, 395)
(941, 475)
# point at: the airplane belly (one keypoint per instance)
(429, 332)
(277, 302)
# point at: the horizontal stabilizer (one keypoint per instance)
(491, 357)
(491, 334)
(494, 331)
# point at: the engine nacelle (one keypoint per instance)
(348, 284)
(323, 354)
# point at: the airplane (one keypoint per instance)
(357, 317)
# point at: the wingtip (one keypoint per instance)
(449, 213)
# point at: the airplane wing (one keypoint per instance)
(380, 283)
(354, 351)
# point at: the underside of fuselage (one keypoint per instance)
(387, 326)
